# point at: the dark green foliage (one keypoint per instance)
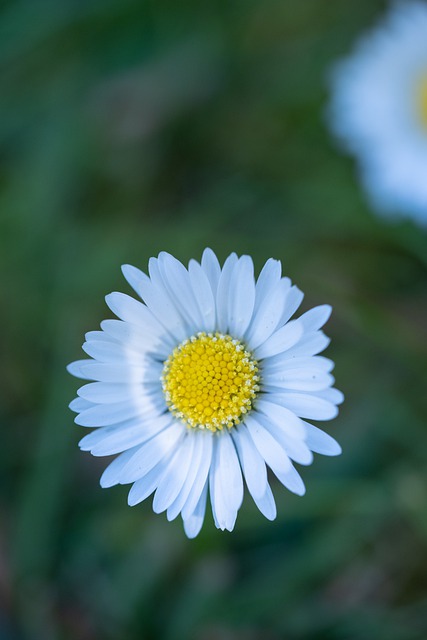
(128, 127)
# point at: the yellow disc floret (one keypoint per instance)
(210, 381)
(422, 100)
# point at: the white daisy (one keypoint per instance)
(379, 110)
(204, 381)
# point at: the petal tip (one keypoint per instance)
(104, 484)
(335, 450)
(327, 309)
(271, 516)
(109, 298)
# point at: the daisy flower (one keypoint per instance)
(379, 110)
(203, 383)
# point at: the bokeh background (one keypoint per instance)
(133, 126)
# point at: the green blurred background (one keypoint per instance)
(133, 126)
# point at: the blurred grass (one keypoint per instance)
(131, 127)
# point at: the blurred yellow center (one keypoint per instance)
(210, 381)
(422, 100)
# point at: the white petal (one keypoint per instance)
(122, 373)
(102, 415)
(223, 292)
(110, 392)
(199, 482)
(280, 415)
(223, 512)
(331, 395)
(267, 317)
(302, 380)
(266, 504)
(275, 456)
(80, 404)
(112, 352)
(293, 300)
(193, 523)
(267, 281)
(177, 281)
(204, 296)
(121, 436)
(211, 267)
(225, 482)
(231, 475)
(75, 368)
(292, 480)
(310, 345)
(241, 297)
(95, 336)
(174, 477)
(321, 442)
(145, 486)
(295, 448)
(152, 452)
(253, 464)
(135, 338)
(196, 458)
(136, 278)
(131, 433)
(275, 366)
(305, 405)
(267, 446)
(159, 303)
(316, 317)
(281, 340)
(97, 436)
(130, 310)
(111, 475)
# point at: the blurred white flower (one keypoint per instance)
(379, 110)
(204, 380)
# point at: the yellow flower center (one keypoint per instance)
(421, 98)
(210, 381)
